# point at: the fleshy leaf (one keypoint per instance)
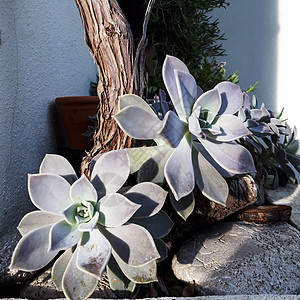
(37, 219)
(153, 168)
(93, 253)
(187, 90)
(77, 284)
(232, 128)
(49, 192)
(110, 171)
(179, 171)
(137, 274)
(232, 97)
(162, 249)
(150, 196)
(59, 268)
(116, 210)
(63, 236)
(173, 129)
(118, 282)
(171, 64)
(230, 156)
(210, 182)
(138, 123)
(158, 225)
(90, 225)
(134, 100)
(56, 164)
(31, 252)
(133, 243)
(209, 101)
(184, 206)
(70, 212)
(83, 190)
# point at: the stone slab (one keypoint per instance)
(43, 288)
(242, 258)
(288, 195)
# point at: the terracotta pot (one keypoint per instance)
(75, 112)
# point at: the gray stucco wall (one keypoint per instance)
(42, 56)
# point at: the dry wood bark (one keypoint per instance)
(109, 38)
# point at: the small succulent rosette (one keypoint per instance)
(196, 144)
(96, 227)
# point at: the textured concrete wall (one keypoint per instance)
(263, 43)
(42, 56)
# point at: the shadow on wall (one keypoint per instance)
(251, 28)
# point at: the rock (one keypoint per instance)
(288, 195)
(8, 277)
(242, 258)
(43, 288)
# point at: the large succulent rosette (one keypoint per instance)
(95, 226)
(196, 144)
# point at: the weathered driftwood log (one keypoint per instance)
(110, 41)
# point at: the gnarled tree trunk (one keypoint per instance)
(109, 38)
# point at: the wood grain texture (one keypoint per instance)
(110, 41)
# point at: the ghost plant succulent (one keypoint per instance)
(273, 144)
(96, 227)
(197, 144)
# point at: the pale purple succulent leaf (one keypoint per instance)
(187, 90)
(194, 124)
(138, 274)
(232, 128)
(199, 91)
(59, 268)
(31, 252)
(90, 225)
(138, 123)
(274, 128)
(246, 101)
(110, 172)
(171, 64)
(138, 156)
(213, 130)
(210, 159)
(77, 284)
(232, 97)
(116, 210)
(56, 164)
(153, 169)
(151, 198)
(63, 236)
(184, 206)
(254, 101)
(93, 253)
(49, 192)
(179, 171)
(242, 115)
(256, 114)
(158, 225)
(83, 190)
(70, 212)
(133, 243)
(263, 129)
(230, 156)
(37, 219)
(265, 112)
(251, 123)
(118, 282)
(173, 129)
(134, 100)
(209, 180)
(209, 101)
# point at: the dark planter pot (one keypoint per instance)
(75, 112)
